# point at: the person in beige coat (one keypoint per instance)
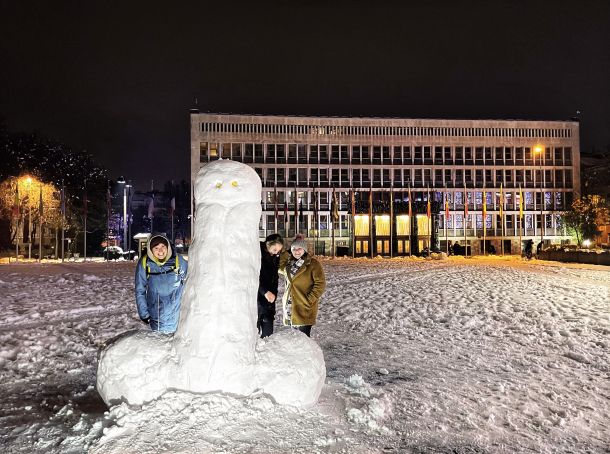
(305, 284)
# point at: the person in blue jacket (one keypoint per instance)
(159, 284)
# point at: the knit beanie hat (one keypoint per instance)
(299, 243)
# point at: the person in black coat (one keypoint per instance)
(529, 245)
(268, 282)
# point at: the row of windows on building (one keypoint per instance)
(371, 130)
(448, 177)
(496, 225)
(553, 200)
(363, 154)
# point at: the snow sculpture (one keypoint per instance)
(216, 346)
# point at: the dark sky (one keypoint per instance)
(118, 79)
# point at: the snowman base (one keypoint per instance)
(140, 366)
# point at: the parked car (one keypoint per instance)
(113, 253)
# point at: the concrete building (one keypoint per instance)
(373, 163)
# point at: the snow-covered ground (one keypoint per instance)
(454, 356)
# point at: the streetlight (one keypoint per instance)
(126, 187)
(538, 150)
(28, 183)
(126, 190)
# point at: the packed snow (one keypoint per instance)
(476, 355)
(216, 346)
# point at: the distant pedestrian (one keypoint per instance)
(305, 284)
(159, 284)
(539, 248)
(268, 283)
(529, 245)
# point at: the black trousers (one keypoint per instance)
(266, 315)
(305, 329)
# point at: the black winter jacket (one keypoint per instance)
(268, 278)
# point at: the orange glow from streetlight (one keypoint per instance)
(26, 179)
(538, 149)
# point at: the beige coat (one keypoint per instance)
(305, 288)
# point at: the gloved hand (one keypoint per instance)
(146, 320)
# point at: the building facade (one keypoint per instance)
(520, 170)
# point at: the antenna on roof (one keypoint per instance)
(195, 108)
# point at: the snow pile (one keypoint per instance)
(136, 371)
(183, 422)
(368, 407)
(215, 346)
(438, 256)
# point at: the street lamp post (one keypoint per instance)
(129, 217)
(125, 219)
(538, 150)
(122, 181)
(17, 217)
(28, 182)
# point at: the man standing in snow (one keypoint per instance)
(159, 284)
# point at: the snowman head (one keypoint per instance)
(227, 183)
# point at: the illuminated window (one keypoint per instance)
(423, 225)
(403, 225)
(382, 225)
(361, 225)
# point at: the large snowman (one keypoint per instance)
(216, 347)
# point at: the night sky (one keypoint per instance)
(119, 78)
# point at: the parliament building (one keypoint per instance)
(400, 184)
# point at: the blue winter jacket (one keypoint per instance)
(159, 291)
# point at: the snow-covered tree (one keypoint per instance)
(57, 165)
(585, 216)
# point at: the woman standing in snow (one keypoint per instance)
(159, 283)
(305, 284)
(268, 282)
